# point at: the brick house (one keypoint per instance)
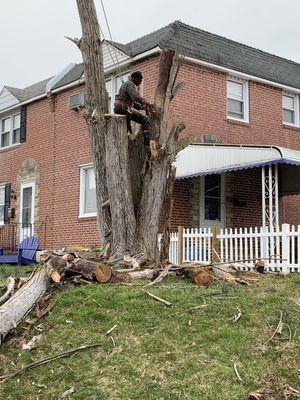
(241, 105)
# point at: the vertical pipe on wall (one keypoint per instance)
(276, 197)
(263, 200)
(271, 195)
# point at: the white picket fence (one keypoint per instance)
(279, 248)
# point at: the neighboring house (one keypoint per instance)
(234, 95)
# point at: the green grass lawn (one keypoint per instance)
(162, 352)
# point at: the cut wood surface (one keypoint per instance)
(201, 276)
(15, 309)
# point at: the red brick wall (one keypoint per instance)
(39, 147)
(59, 143)
(246, 186)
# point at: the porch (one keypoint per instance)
(13, 233)
(237, 186)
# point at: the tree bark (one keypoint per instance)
(166, 217)
(97, 105)
(119, 187)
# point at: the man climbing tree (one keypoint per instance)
(128, 102)
(128, 180)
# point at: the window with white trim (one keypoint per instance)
(112, 86)
(290, 108)
(2, 204)
(10, 130)
(237, 100)
(88, 207)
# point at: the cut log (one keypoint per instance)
(68, 257)
(225, 273)
(202, 276)
(92, 271)
(16, 308)
(56, 277)
(10, 286)
(103, 273)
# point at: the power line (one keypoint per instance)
(110, 35)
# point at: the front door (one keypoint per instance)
(212, 200)
(27, 210)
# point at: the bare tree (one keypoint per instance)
(130, 184)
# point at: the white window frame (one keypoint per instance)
(206, 223)
(296, 109)
(2, 187)
(83, 169)
(114, 80)
(245, 99)
(11, 129)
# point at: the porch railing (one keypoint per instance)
(12, 233)
(279, 248)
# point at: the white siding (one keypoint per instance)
(7, 100)
(111, 55)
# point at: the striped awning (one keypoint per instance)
(204, 159)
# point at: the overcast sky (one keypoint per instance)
(32, 32)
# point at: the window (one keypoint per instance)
(112, 86)
(88, 207)
(10, 130)
(2, 204)
(237, 100)
(290, 109)
(212, 195)
(108, 85)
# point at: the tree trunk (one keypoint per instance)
(119, 186)
(97, 105)
(166, 217)
(126, 175)
(16, 308)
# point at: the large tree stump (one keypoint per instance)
(132, 184)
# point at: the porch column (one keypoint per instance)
(270, 203)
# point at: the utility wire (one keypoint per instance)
(110, 35)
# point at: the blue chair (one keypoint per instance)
(26, 252)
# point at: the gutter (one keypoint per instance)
(124, 63)
(41, 96)
(242, 74)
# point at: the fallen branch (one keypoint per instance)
(46, 360)
(10, 286)
(276, 330)
(111, 329)
(236, 372)
(198, 307)
(167, 303)
(236, 317)
(67, 392)
(161, 276)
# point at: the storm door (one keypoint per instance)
(27, 210)
(212, 200)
